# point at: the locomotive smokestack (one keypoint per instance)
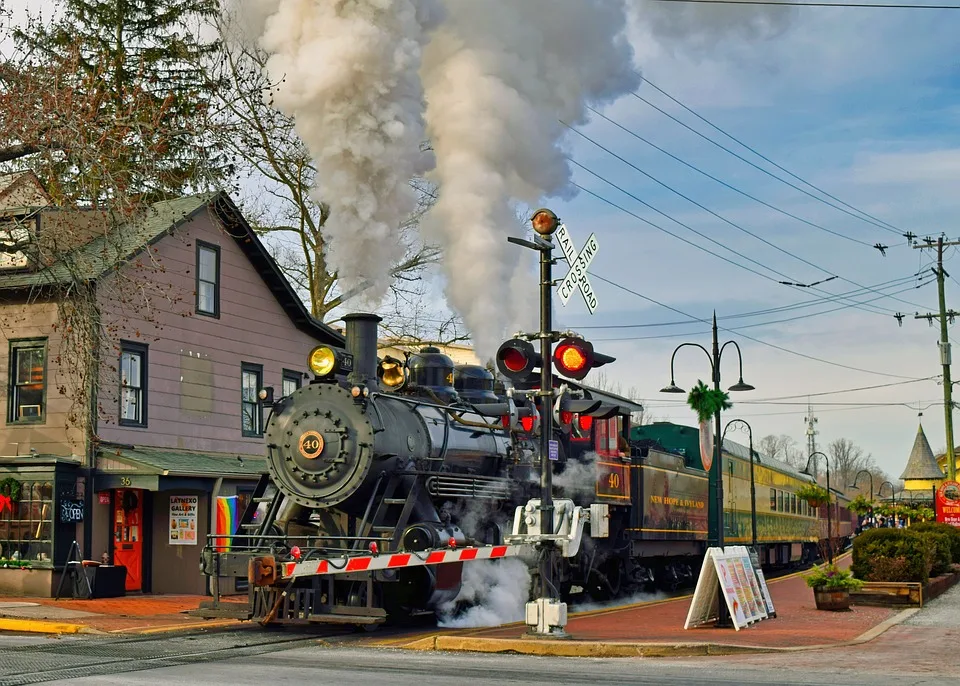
(361, 335)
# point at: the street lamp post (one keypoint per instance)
(893, 497)
(857, 478)
(715, 482)
(807, 471)
(854, 485)
(753, 489)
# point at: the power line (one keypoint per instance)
(767, 159)
(751, 338)
(750, 326)
(869, 220)
(799, 3)
(893, 283)
(694, 202)
(789, 281)
(727, 185)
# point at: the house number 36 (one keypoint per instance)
(125, 482)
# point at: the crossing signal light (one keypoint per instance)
(575, 357)
(567, 408)
(517, 359)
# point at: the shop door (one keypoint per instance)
(128, 534)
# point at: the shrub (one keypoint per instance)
(830, 578)
(951, 531)
(879, 551)
(942, 554)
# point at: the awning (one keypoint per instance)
(157, 469)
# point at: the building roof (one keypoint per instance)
(169, 462)
(22, 188)
(921, 464)
(98, 256)
(685, 440)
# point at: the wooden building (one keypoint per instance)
(194, 318)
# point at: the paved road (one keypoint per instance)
(231, 659)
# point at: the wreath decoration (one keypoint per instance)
(706, 402)
(11, 488)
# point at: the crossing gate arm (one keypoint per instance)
(371, 563)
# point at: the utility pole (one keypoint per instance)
(811, 421)
(944, 315)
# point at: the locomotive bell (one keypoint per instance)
(431, 369)
(392, 373)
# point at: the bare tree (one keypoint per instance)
(603, 383)
(783, 448)
(54, 120)
(279, 198)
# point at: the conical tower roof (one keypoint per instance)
(922, 464)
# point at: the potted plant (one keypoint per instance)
(831, 587)
(815, 494)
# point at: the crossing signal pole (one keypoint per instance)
(574, 358)
(943, 316)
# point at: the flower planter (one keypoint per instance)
(832, 600)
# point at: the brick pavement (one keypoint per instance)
(129, 614)
(798, 622)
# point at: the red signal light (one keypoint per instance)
(452, 542)
(573, 357)
(585, 422)
(527, 423)
(566, 417)
(295, 552)
(514, 360)
(505, 420)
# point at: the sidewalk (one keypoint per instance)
(656, 628)
(139, 614)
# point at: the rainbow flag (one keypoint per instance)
(226, 521)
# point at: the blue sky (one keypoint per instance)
(863, 103)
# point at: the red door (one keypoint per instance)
(128, 534)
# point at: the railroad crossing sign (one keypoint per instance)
(577, 276)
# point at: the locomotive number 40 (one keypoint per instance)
(311, 444)
(613, 481)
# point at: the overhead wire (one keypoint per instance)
(791, 282)
(893, 283)
(818, 3)
(727, 185)
(868, 220)
(752, 338)
(745, 326)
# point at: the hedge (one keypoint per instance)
(951, 531)
(894, 555)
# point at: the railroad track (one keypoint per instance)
(74, 658)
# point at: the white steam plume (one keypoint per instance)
(496, 591)
(348, 75)
(498, 75)
(579, 477)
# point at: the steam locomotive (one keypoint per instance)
(384, 455)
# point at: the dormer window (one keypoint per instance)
(208, 279)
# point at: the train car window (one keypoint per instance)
(773, 500)
(780, 501)
(793, 498)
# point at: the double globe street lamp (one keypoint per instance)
(806, 470)
(715, 474)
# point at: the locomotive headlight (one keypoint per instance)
(322, 360)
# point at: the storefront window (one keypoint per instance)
(26, 523)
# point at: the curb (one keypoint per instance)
(36, 626)
(566, 648)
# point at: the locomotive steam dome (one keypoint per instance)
(431, 369)
(474, 384)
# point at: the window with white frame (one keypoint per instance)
(133, 384)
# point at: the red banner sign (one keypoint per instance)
(948, 503)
